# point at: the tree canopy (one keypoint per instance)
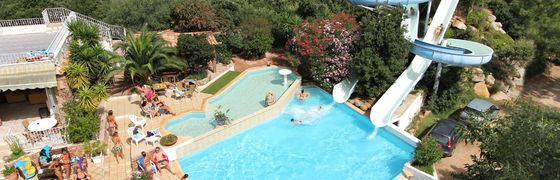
(381, 51)
(524, 144)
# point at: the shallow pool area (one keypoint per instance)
(245, 96)
(332, 143)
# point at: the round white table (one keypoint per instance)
(42, 124)
(285, 72)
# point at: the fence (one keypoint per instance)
(58, 15)
(34, 140)
(21, 22)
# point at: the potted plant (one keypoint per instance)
(95, 150)
(10, 173)
(221, 117)
(168, 140)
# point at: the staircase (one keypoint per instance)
(59, 15)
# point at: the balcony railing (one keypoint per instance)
(21, 22)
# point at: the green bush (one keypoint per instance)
(195, 15)
(497, 87)
(497, 40)
(8, 170)
(83, 124)
(94, 148)
(223, 54)
(198, 75)
(256, 45)
(153, 14)
(233, 41)
(15, 147)
(478, 18)
(196, 50)
(445, 100)
(428, 152)
(257, 36)
(168, 140)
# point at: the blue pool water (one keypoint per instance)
(244, 97)
(333, 144)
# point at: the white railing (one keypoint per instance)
(108, 30)
(21, 22)
(52, 137)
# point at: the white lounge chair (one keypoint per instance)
(153, 139)
(135, 137)
(137, 121)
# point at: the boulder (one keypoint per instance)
(491, 18)
(478, 75)
(490, 80)
(500, 96)
(498, 27)
(480, 89)
(458, 23)
(478, 78)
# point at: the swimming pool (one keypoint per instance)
(244, 97)
(332, 144)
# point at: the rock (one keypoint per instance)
(491, 18)
(458, 23)
(480, 89)
(478, 75)
(477, 71)
(498, 27)
(490, 80)
(500, 96)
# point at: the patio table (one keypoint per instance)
(42, 124)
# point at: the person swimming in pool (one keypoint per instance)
(318, 109)
(295, 121)
(302, 95)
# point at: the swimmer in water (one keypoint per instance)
(295, 121)
(318, 109)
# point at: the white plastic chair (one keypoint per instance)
(153, 139)
(137, 121)
(136, 138)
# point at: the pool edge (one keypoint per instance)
(193, 144)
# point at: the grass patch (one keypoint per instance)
(427, 169)
(221, 82)
(431, 120)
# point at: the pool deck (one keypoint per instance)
(123, 106)
(129, 105)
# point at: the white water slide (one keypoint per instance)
(458, 53)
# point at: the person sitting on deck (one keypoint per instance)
(161, 160)
(162, 108)
(65, 161)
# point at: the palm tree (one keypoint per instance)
(100, 91)
(87, 98)
(77, 75)
(84, 32)
(147, 54)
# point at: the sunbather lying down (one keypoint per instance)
(162, 107)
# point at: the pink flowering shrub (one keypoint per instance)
(323, 48)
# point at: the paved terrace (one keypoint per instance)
(123, 106)
(20, 43)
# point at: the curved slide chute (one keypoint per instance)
(457, 53)
(342, 91)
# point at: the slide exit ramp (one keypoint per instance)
(343, 90)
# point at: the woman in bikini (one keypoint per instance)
(111, 122)
(118, 148)
(80, 174)
(65, 161)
